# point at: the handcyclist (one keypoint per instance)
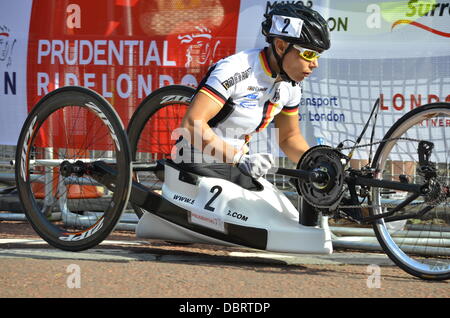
(241, 94)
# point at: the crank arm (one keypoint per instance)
(312, 176)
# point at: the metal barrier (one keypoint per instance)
(127, 222)
(420, 240)
(426, 239)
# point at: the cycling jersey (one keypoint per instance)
(244, 86)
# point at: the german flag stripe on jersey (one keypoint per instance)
(290, 111)
(213, 94)
(269, 111)
(265, 63)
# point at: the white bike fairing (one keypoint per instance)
(266, 219)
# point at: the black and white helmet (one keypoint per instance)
(297, 24)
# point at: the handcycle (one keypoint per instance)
(73, 145)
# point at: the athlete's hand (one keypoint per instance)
(255, 165)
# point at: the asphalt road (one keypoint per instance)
(124, 266)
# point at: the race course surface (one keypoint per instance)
(124, 266)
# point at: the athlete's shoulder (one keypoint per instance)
(293, 93)
(235, 68)
(297, 88)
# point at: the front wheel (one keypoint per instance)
(69, 131)
(151, 132)
(416, 150)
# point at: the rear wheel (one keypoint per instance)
(420, 245)
(66, 134)
(150, 132)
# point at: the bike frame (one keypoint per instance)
(265, 219)
(151, 201)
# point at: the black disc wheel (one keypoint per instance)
(67, 136)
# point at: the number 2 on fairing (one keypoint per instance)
(216, 190)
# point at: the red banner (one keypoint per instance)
(124, 49)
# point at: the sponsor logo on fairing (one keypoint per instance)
(237, 215)
(181, 198)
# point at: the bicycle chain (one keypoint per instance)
(379, 142)
(361, 206)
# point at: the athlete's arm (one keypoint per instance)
(290, 139)
(201, 110)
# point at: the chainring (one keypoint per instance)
(329, 192)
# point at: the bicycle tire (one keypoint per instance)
(150, 129)
(70, 124)
(414, 251)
